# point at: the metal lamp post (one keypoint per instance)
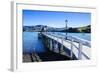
(66, 21)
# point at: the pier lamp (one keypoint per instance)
(66, 21)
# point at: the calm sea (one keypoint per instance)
(31, 43)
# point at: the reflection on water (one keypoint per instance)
(31, 43)
(86, 36)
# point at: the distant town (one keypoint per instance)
(42, 28)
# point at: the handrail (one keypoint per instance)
(75, 39)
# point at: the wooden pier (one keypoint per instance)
(69, 46)
(59, 48)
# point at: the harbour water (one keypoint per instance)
(31, 43)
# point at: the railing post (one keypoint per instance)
(51, 45)
(71, 48)
(54, 44)
(61, 46)
(56, 48)
(80, 51)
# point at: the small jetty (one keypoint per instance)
(70, 46)
(60, 48)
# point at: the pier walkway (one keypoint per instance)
(60, 47)
(70, 46)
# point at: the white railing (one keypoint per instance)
(76, 44)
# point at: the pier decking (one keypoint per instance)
(72, 47)
(59, 48)
(45, 56)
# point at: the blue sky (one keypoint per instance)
(55, 19)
